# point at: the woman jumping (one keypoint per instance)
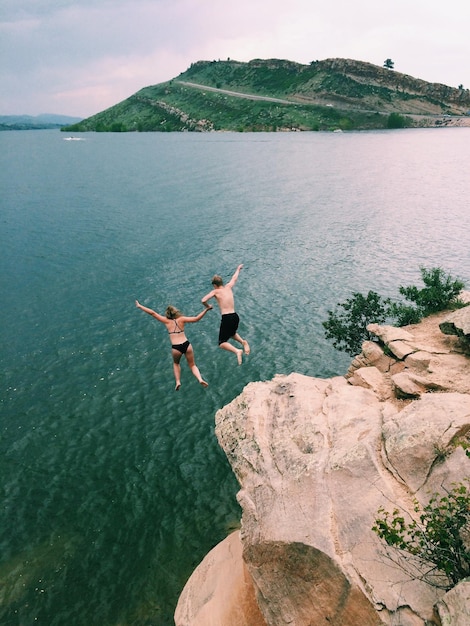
(174, 321)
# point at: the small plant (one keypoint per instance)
(440, 291)
(438, 540)
(441, 453)
(347, 328)
(404, 314)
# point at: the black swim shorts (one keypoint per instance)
(228, 326)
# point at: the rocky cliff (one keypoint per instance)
(315, 460)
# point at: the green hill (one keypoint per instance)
(38, 122)
(273, 95)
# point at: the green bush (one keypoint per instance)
(395, 120)
(439, 539)
(439, 293)
(404, 314)
(347, 328)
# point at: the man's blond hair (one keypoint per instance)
(217, 281)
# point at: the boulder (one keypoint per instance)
(407, 384)
(372, 378)
(220, 591)
(457, 323)
(454, 607)
(387, 334)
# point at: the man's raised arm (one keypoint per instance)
(234, 278)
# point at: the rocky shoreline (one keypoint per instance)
(441, 121)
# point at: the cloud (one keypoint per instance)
(79, 57)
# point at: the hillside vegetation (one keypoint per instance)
(273, 94)
(38, 122)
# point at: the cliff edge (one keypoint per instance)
(315, 460)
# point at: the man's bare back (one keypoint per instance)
(225, 299)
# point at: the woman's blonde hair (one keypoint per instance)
(172, 312)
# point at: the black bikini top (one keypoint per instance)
(175, 332)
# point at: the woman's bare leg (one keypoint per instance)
(193, 367)
(176, 367)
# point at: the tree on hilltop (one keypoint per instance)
(389, 64)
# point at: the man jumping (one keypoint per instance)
(230, 320)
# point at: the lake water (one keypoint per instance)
(113, 487)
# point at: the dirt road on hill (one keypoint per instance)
(422, 120)
(235, 94)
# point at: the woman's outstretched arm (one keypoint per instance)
(151, 312)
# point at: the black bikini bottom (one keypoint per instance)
(181, 347)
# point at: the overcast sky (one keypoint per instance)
(78, 57)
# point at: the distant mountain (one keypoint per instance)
(29, 122)
(273, 94)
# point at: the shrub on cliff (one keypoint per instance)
(438, 540)
(440, 291)
(347, 327)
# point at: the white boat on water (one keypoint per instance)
(74, 139)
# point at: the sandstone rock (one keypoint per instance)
(305, 586)
(307, 455)
(419, 361)
(371, 378)
(457, 323)
(409, 385)
(373, 355)
(315, 460)
(454, 607)
(448, 372)
(425, 358)
(423, 432)
(220, 591)
(401, 349)
(406, 387)
(389, 333)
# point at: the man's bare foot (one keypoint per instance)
(246, 347)
(203, 383)
(239, 356)
(178, 385)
